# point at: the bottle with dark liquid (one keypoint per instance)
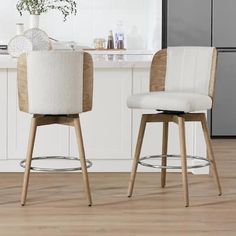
(110, 42)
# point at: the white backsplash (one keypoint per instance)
(141, 18)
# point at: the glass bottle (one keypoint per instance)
(120, 43)
(110, 42)
(119, 33)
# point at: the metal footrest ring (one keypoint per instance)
(88, 163)
(205, 163)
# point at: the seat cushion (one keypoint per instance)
(55, 82)
(170, 101)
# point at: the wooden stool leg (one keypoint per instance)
(210, 153)
(181, 124)
(82, 159)
(164, 152)
(32, 135)
(137, 154)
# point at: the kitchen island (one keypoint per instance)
(109, 130)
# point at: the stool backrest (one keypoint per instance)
(55, 82)
(184, 69)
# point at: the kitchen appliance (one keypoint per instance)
(208, 23)
(3, 49)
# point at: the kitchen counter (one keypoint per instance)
(117, 75)
(100, 61)
(122, 61)
(6, 62)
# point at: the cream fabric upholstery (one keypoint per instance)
(55, 82)
(188, 69)
(170, 101)
(188, 73)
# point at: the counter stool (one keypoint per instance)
(182, 82)
(55, 87)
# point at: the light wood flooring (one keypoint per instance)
(57, 206)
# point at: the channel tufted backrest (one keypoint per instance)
(204, 58)
(55, 82)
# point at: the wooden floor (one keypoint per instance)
(57, 206)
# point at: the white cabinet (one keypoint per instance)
(50, 140)
(107, 128)
(3, 117)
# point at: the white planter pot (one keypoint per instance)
(34, 21)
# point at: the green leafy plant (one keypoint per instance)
(37, 7)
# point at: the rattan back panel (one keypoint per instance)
(22, 83)
(88, 82)
(213, 74)
(158, 71)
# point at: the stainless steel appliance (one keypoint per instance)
(208, 23)
(3, 49)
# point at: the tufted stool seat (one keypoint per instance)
(182, 83)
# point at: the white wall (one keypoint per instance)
(142, 21)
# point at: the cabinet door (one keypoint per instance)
(107, 128)
(189, 23)
(152, 142)
(224, 109)
(224, 30)
(3, 117)
(50, 140)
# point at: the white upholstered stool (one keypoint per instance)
(182, 81)
(55, 87)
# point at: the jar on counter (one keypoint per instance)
(99, 43)
(19, 28)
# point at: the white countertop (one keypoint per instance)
(122, 61)
(115, 60)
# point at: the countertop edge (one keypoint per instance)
(137, 61)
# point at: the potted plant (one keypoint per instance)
(37, 7)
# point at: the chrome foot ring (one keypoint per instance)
(88, 163)
(205, 161)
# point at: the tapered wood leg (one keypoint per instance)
(164, 152)
(82, 159)
(183, 153)
(210, 153)
(32, 134)
(137, 154)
